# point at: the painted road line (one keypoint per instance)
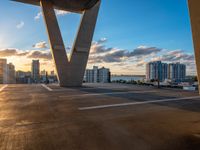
(137, 103)
(46, 87)
(2, 88)
(109, 93)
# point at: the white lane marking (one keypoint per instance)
(110, 93)
(2, 88)
(46, 87)
(137, 103)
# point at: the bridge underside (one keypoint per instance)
(68, 5)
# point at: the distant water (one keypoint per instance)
(128, 78)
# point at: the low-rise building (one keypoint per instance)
(96, 75)
(23, 77)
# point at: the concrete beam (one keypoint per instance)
(70, 72)
(68, 5)
(194, 8)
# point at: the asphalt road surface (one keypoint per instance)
(98, 117)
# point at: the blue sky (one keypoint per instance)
(163, 24)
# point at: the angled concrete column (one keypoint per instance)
(70, 72)
(194, 7)
(82, 44)
(56, 42)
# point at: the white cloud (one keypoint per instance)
(61, 12)
(32, 54)
(58, 13)
(20, 25)
(38, 16)
(40, 45)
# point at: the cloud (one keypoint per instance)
(143, 50)
(102, 40)
(141, 63)
(135, 60)
(97, 48)
(119, 60)
(12, 52)
(61, 12)
(38, 16)
(57, 12)
(140, 55)
(8, 52)
(176, 56)
(40, 45)
(112, 55)
(20, 25)
(46, 55)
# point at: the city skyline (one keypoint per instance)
(125, 48)
(88, 68)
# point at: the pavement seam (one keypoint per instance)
(2, 88)
(136, 103)
(108, 93)
(47, 88)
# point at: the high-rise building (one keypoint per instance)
(156, 71)
(3, 71)
(11, 78)
(7, 72)
(104, 75)
(89, 75)
(164, 74)
(177, 71)
(97, 75)
(35, 71)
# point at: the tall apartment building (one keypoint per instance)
(7, 72)
(3, 71)
(89, 75)
(104, 75)
(35, 71)
(95, 75)
(177, 71)
(158, 70)
(164, 71)
(11, 77)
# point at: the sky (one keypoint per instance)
(127, 36)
